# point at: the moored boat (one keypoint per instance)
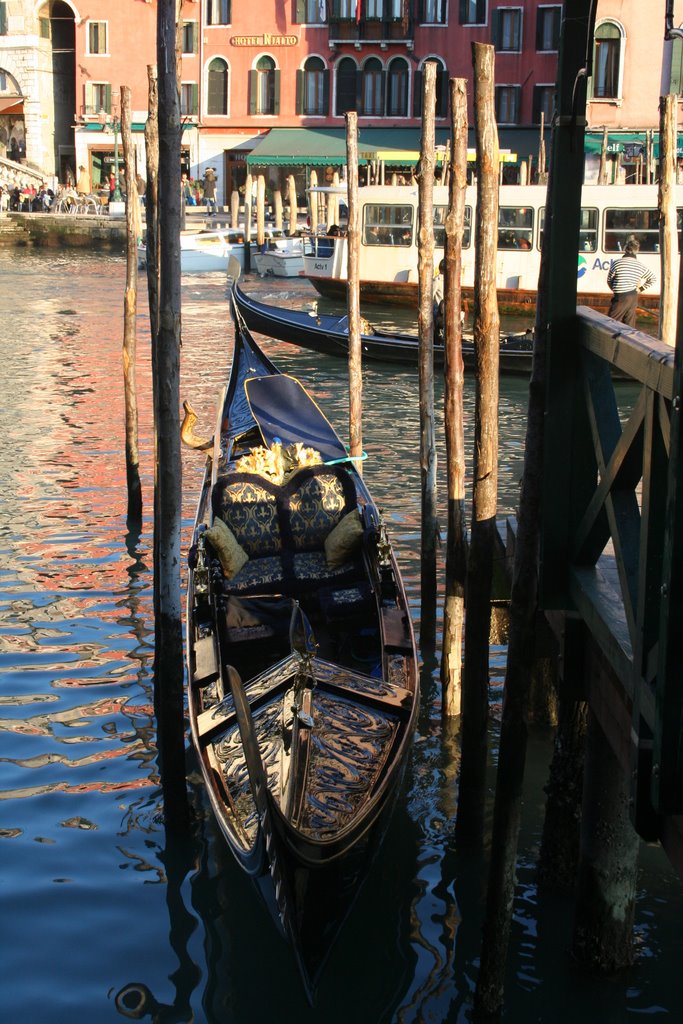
(302, 670)
(329, 334)
(207, 251)
(388, 245)
(281, 257)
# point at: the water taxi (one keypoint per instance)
(388, 251)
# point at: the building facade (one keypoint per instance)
(298, 67)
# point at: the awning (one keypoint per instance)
(136, 126)
(12, 105)
(398, 147)
(290, 147)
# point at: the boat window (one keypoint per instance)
(621, 224)
(387, 225)
(440, 213)
(588, 229)
(515, 227)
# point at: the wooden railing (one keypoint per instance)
(610, 537)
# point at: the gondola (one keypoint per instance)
(302, 670)
(329, 334)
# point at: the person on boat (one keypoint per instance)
(627, 277)
(438, 301)
(210, 191)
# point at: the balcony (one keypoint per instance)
(377, 31)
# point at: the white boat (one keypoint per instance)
(203, 251)
(282, 257)
(388, 250)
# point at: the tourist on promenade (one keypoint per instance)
(142, 189)
(83, 186)
(210, 191)
(628, 277)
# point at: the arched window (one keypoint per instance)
(312, 95)
(441, 89)
(372, 88)
(607, 61)
(397, 88)
(218, 87)
(264, 87)
(346, 86)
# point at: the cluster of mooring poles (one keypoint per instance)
(605, 872)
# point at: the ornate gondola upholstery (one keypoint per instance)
(283, 527)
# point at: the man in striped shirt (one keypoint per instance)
(627, 277)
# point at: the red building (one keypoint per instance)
(250, 68)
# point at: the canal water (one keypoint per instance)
(104, 916)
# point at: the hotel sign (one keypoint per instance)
(264, 40)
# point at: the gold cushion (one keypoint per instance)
(231, 554)
(344, 540)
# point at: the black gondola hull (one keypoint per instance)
(329, 335)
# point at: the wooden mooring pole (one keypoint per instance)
(313, 203)
(353, 294)
(260, 211)
(248, 188)
(168, 637)
(454, 385)
(293, 205)
(668, 218)
(130, 308)
(152, 206)
(425, 326)
(606, 888)
(475, 690)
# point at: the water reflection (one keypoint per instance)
(98, 895)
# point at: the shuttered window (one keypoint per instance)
(397, 88)
(441, 93)
(3, 19)
(218, 12)
(217, 101)
(97, 97)
(508, 103)
(346, 83)
(507, 29)
(189, 99)
(472, 12)
(548, 21)
(312, 88)
(97, 37)
(607, 61)
(264, 87)
(190, 37)
(676, 85)
(372, 89)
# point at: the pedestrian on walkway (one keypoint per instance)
(210, 191)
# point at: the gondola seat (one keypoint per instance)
(283, 528)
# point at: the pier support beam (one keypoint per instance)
(605, 903)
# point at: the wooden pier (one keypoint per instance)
(612, 530)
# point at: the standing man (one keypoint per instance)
(210, 191)
(628, 277)
(438, 302)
